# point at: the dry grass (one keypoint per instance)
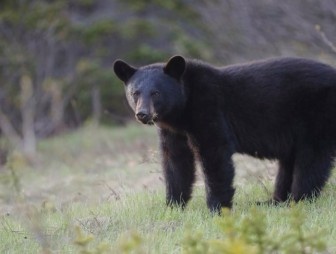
(108, 182)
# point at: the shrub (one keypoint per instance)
(250, 235)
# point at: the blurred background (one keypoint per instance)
(56, 56)
(70, 149)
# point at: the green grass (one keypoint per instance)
(107, 183)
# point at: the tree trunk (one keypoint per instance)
(96, 104)
(28, 114)
(57, 108)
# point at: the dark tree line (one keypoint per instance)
(56, 56)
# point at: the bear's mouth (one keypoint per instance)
(154, 119)
(149, 120)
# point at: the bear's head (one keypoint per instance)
(155, 92)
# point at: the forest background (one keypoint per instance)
(56, 56)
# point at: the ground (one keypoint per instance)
(108, 181)
(104, 165)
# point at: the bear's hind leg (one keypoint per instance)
(178, 167)
(283, 182)
(311, 172)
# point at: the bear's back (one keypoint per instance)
(272, 105)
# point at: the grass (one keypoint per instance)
(106, 183)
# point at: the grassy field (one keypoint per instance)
(101, 188)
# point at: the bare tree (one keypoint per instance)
(243, 29)
(31, 75)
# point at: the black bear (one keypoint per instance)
(283, 108)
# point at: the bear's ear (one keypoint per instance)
(175, 67)
(123, 70)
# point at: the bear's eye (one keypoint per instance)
(155, 94)
(136, 93)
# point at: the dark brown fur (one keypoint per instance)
(282, 109)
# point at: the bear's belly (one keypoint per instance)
(265, 146)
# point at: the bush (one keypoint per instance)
(250, 235)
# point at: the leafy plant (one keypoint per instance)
(127, 244)
(83, 242)
(250, 235)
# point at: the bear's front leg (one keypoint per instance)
(215, 153)
(178, 166)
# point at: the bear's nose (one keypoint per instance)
(142, 116)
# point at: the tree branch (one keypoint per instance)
(325, 39)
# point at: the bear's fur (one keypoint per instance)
(282, 109)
